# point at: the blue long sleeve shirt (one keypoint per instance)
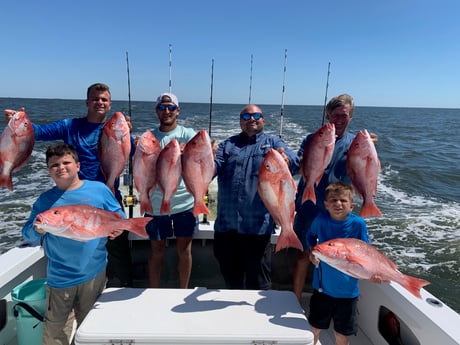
(238, 160)
(71, 262)
(84, 136)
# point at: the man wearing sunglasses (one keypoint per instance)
(181, 222)
(243, 226)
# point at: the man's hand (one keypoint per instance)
(115, 233)
(285, 157)
(9, 113)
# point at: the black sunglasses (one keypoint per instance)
(247, 116)
(163, 107)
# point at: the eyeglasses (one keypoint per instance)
(247, 116)
(163, 107)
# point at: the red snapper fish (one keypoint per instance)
(168, 172)
(317, 155)
(114, 147)
(85, 222)
(144, 169)
(362, 261)
(363, 167)
(277, 189)
(16, 145)
(198, 169)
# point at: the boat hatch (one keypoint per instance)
(394, 330)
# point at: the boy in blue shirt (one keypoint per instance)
(76, 272)
(335, 295)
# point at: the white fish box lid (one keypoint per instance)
(195, 316)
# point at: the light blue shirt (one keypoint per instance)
(71, 262)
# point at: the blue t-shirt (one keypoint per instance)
(333, 282)
(71, 262)
(238, 160)
(335, 171)
(182, 200)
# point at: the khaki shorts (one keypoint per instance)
(62, 304)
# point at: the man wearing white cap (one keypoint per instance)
(181, 222)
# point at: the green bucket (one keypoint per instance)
(29, 310)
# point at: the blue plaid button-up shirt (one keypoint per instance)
(237, 161)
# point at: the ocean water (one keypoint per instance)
(418, 188)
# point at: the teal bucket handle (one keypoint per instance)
(29, 309)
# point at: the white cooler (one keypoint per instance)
(195, 316)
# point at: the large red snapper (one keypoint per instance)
(363, 167)
(144, 169)
(84, 222)
(169, 169)
(16, 145)
(277, 189)
(363, 261)
(198, 169)
(114, 147)
(316, 157)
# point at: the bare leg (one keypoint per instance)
(315, 332)
(300, 273)
(184, 260)
(156, 262)
(341, 339)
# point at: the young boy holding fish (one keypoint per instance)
(76, 272)
(335, 295)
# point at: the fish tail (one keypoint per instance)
(309, 194)
(288, 240)
(146, 207)
(165, 207)
(370, 210)
(137, 225)
(200, 208)
(413, 285)
(6, 181)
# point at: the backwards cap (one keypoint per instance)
(167, 98)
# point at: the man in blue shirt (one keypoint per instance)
(243, 226)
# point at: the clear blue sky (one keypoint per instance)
(384, 53)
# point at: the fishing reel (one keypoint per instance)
(130, 201)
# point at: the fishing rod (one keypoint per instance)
(282, 95)
(210, 98)
(206, 197)
(250, 82)
(325, 97)
(170, 68)
(129, 200)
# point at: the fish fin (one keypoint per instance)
(137, 225)
(288, 240)
(370, 210)
(413, 285)
(6, 181)
(165, 207)
(309, 194)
